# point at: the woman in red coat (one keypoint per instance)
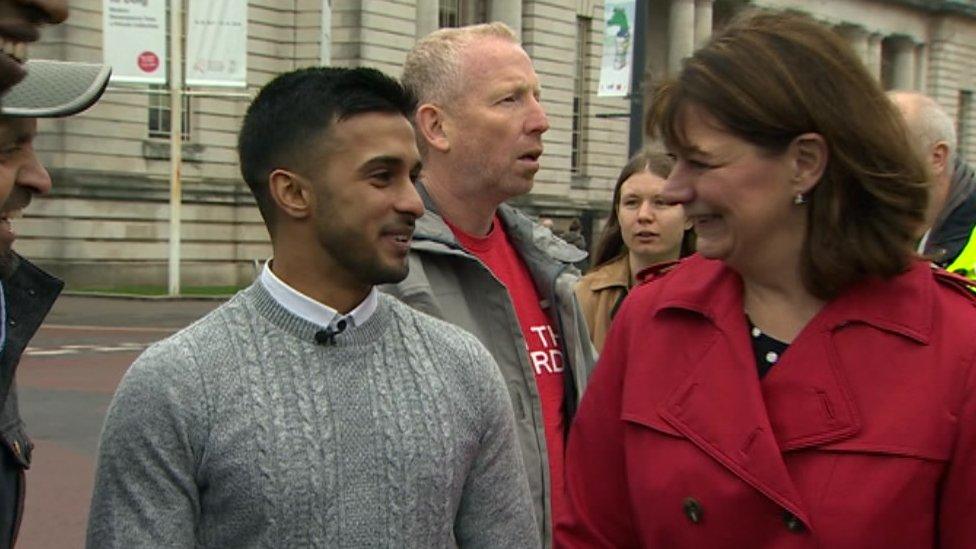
(805, 380)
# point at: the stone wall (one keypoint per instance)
(107, 220)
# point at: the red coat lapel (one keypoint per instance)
(719, 407)
(805, 401)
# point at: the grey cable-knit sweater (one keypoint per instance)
(240, 431)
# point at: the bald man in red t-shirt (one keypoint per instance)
(479, 263)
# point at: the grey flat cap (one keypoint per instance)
(55, 88)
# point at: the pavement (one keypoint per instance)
(65, 383)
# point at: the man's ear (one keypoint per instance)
(431, 125)
(809, 155)
(940, 158)
(291, 193)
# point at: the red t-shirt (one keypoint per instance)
(545, 354)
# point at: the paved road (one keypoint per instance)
(65, 382)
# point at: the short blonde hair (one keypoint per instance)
(432, 72)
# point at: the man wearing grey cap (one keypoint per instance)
(50, 89)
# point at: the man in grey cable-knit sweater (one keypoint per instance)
(309, 410)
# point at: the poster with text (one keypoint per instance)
(134, 40)
(216, 43)
(618, 48)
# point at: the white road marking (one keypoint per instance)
(61, 350)
(133, 329)
(49, 352)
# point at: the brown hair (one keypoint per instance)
(769, 77)
(611, 244)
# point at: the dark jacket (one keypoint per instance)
(28, 294)
(951, 235)
(451, 284)
(862, 435)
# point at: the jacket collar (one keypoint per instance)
(955, 218)
(29, 293)
(615, 274)
(902, 305)
(534, 242)
(431, 225)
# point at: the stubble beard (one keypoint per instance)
(359, 258)
(18, 199)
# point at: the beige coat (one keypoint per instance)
(599, 294)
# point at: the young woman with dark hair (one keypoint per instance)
(643, 230)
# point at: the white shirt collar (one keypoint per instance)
(924, 242)
(307, 308)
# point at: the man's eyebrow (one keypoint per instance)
(534, 89)
(391, 162)
(384, 161)
(517, 86)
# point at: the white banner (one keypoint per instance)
(216, 43)
(618, 48)
(134, 40)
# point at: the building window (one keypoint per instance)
(450, 13)
(965, 113)
(159, 113)
(724, 11)
(456, 13)
(580, 80)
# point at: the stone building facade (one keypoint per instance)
(106, 223)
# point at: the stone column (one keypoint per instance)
(703, 22)
(469, 9)
(681, 33)
(921, 68)
(857, 37)
(428, 17)
(325, 34)
(874, 55)
(902, 63)
(508, 12)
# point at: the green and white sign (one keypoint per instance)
(618, 48)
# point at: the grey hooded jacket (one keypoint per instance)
(451, 284)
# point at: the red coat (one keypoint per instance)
(862, 435)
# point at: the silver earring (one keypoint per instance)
(799, 199)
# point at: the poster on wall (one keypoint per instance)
(618, 51)
(134, 40)
(216, 43)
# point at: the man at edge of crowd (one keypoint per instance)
(479, 263)
(950, 230)
(45, 89)
(311, 410)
